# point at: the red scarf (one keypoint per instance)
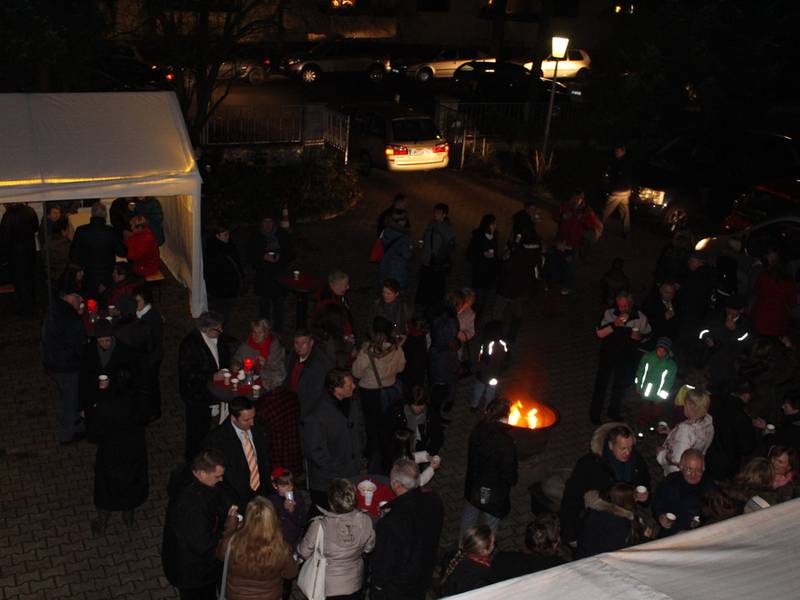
(263, 347)
(486, 561)
(297, 370)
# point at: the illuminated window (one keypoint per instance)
(343, 3)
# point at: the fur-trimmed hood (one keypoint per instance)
(600, 434)
(593, 500)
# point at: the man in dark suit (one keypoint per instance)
(245, 444)
(203, 352)
(306, 368)
(95, 247)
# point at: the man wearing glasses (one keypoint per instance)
(201, 354)
(678, 499)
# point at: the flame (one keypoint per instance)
(515, 416)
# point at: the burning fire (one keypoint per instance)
(515, 416)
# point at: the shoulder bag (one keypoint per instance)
(388, 394)
(221, 595)
(311, 579)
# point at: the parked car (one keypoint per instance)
(505, 81)
(250, 63)
(762, 202)
(397, 138)
(443, 64)
(575, 64)
(695, 177)
(339, 56)
(116, 73)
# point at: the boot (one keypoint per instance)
(127, 518)
(99, 524)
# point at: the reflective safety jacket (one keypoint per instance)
(655, 376)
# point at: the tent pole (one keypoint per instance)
(45, 222)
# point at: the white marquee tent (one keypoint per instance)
(108, 145)
(753, 556)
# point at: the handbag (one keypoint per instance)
(222, 585)
(311, 579)
(377, 252)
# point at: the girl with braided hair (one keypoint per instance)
(469, 569)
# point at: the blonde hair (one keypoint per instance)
(138, 220)
(476, 540)
(259, 543)
(262, 324)
(699, 402)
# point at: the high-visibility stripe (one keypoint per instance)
(491, 347)
(505, 346)
(644, 376)
(648, 389)
(663, 378)
(663, 394)
(743, 338)
(702, 333)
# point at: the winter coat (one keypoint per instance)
(245, 583)
(63, 338)
(18, 229)
(196, 367)
(154, 323)
(484, 268)
(695, 434)
(273, 370)
(121, 355)
(346, 538)
(468, 575)
(657, 311)
(129, 286)
(416, 350)
(491, 359)
(95, 247)
(694, 297)
(116, 418)
(492, 468)
(774, 299)
(728, 346)
(735, 438)
(150, 209)
(312, 378)
(397, 255)
(332, 442)
(222, 269)
(574, 224)
(406, 546)
(398, 313)
(619, 344)
(521, 271)
(388, 363)
(279, 412)
(593, 472)
(430, 430)
(142, 252)
(682, 499)
(655, 376)
(266, 272)
(325, 299)
(443, 353)
(438, 242)
(56, 255)
(192, 530)
(293, 524)
(605, 529)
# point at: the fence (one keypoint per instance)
(309, 124)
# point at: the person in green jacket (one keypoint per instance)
(654, 379)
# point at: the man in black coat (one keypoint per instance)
(406, 538)
(203, 352)
(222, 271)
(63, 339)
(239, 438)
(612, 459)
(788, 431)
(193, 527)
(660, 308)
(18, 229)
(735, 437)
(103, 356)
(681, 494)
(333, 436)
(95, 247)
(306, 368)
(694, 297)
(492, 468)
(269, 252)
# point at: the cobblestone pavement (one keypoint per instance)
(47, 550)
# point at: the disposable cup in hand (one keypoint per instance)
(640, 489)
(290, 496)
(102, 381)
(436, 461)
(234, 384)
(770, 428)
(671, 517)
(227, 378)
(366, 488)
(256, 391)
(296, 274)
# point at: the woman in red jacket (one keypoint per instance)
(775, 296)
(142, 248)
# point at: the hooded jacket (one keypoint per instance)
(655, 376)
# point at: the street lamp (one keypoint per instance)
(559, 51)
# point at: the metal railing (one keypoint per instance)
(244, 125)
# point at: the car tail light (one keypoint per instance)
(170, 76)
(396, 150)
(266, 61)
(441, 147)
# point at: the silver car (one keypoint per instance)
(339, 56)
(444, 64)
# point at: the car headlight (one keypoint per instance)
(292, 61)
(651, 196)
(701, 245)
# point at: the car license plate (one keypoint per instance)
(418, 151)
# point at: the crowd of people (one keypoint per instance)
(705, 359)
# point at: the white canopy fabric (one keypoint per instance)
(751, 556)
(108, 145)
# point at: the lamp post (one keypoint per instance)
(559, 51)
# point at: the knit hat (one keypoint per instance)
(666, 343)
(279, 471)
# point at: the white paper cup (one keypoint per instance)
(296, 274)
(770, 428)
(671, 517)
(290, 495)
(227, 378)
(256, 391)
(111, 308)
(640, 489)
(234, 384)
(366, 488)
(102, 381)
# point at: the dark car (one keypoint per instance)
(252, 63)
(490, 80)
(339, 56)
(695, 177)
(113, 73)
(762, 202)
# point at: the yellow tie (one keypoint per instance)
(250, 455)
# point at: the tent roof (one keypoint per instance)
(751, 556)
(94, 145)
